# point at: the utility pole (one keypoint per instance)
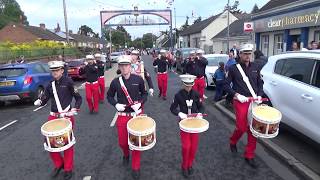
(228, 24)
(175, 27)
(110, 39)
(66, 21)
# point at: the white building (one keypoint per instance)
(199, 35)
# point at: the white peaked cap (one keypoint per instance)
(188, 79)
(55, 65)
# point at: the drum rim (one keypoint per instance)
(142, 133)
(137, 148)
(71, 143)
(194, 130)
(257, 134)
(263, 120)
(57, 133)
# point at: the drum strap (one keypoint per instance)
(56, 98)
(246, 80)
(125, 91)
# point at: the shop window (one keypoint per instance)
(265, 45)
(278, 44)
(317, 36)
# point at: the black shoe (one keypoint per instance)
(135, 174)
(185, 173)
(190, 171)
(164, 98)
(233, 148)
(159, 95)
(125, 160)
(56, 171)
(67, 175)
(252, 163)
(91, 112)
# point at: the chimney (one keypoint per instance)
(43, 26)
(57, 29)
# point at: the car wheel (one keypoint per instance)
(39, 93)
(2, 103)
(207, 83)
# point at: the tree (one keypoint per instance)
(119, 36)
(255, 9)
(197, 20)
(186, 24)
(10, 11)
(86, 30)
(148, 40)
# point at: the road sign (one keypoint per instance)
(248, 27)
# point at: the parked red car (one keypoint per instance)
(74, 67)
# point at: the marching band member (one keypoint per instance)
(61, 91)
(188, 101)
(131, 95)
(241, 94)
(101, 80)
(162, 66)
(196, 66)
(137, 69)
(91, 85)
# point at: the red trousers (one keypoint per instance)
(102, 88)
(163, 84)
(123, 141)
(189, 143)
(92, 96)
(67, 159)
(242, 126)
(199, 85)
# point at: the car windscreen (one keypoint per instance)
(12, 72)
(214, 61)
(186, 53)
(116, 54)
(74, 63)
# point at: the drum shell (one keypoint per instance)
(59, 140)
(141, 140)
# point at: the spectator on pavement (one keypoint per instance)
(295, 46)
(313, 45)
(219, 77)
(230, 62)
(260, 59)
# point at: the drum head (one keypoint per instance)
(266, 114)
(56, 126)
(141, 124)
(194, 125)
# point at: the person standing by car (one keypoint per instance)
(231, 61)
(241, 94)
(260, 59)
(219, 77)
(91, 86)
(61, 91)
(101, 81)
(295, 46)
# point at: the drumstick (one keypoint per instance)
(262, 99)
(39, 108)
(196, 114)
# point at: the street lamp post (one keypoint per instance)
(228, 24)
(66, 20)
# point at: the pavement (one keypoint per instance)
(97, 155)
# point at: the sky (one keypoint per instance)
(87, 12)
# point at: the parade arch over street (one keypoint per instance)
(139, 19)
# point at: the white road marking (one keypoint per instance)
(87, 178)
(114, 120)
(8, 124)
(39, 108)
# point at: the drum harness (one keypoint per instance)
(61, 112)
(126, 93)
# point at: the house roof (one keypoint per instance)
(83, 38)
(236, 29)
(61, 34)
(198, 27)
(43, 33)
(275, 3)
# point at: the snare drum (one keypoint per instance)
(265, 121)
(141, 133)
(194, 125)
(58, 135)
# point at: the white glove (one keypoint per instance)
(72, 112)
(242, 98)
(199, 115)
(136, 108)
(37, 102)
(259, 100)
(120, 107)
(182, 115)
(151, 92)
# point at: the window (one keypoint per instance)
(298, 69)
(278, 44)
(317, 36)
(46, 68)
(316, 77)
(38, 69)
(265, 45)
